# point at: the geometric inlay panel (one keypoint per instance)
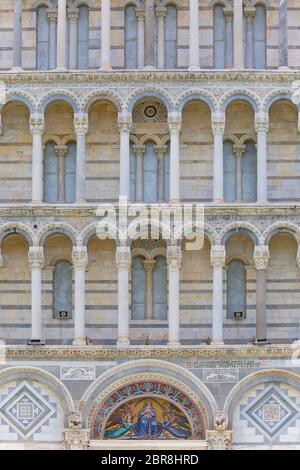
(270, 411)
(25, 410)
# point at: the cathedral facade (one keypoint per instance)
(191, 340)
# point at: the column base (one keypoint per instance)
(61, 69)
(79, 341)
(284, 67)
(80, 201)
(105, 68)
(17, 69)
(123, 343)
(149, 67)
(173, 344)
(36, 342)
(217, 342)
(194, 68)
(218, 201)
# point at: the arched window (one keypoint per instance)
(236, 288)
(150, 173)
(130, 37)
(138, 289)
(259, 27)
(50, 173)
(249, 173)
(171, 37)
(62, 288)
(229, 173)
(219, 37)
(159, 293)
(83, 38)
(70, 173)
(42, 41)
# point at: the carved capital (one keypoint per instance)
(140, 14)
(37, 123)
(219, 440)
(36, 257)
(80, 258)
(228, 14)
(123, 257)
(52, 15)
(139, 150)
(149, 264)
(261, 122)
(250, 13)
(81, 123)
(73, 15)
(124, 121)
(160, 150)
(160, 13)
(261, 257)
(76, 439)
(61, 150)
(239, 150)
(174, 121)
(218, 123)
(217, 256)
(174, 258)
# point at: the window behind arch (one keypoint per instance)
(132, 169)
(50, 173)
(150, 173)
(171, 37)
(219, 37)
(236, 288)
(130, 37)
(138, 289)
(259, 29)
(70, 173)
(62, 288)
(83, 38)
(159, 293)
(249, 173)
(42, 41)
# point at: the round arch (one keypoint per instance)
(281, 227)
(57, 228)
(139, 95)
(101, 95)
(236, 96)
(11, 228)
(199, 96)
(247, 229)
(49, 98)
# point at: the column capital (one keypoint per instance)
(37, 123)
(80, 258)
(52, 15)
(149, 264)
(174, 258)
(239, 150)
(174, 121)
(160, 150)
(217, 256)
(139, 150)
(228, 13)
(218, 123)
(160, 12)
(36, 257)
(140, 13)
(73, 15)
(61, 150)
(81, 123)
(261, 122)
(250, 13)
(261, 257)
(124, 121)
(123, 257)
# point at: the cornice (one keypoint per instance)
(99, 353)
(155, 76)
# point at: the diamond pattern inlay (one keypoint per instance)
(25, 410)
(270, 411)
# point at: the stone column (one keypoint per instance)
(228, 14)
(218, 127)
(149, 36)
(140, 13)
(149, 265)
(261, 259)
(80, 263)
(217, 259)
(61, 151)
(283, 35)
(52, 19)
(174, 257)
(81, 126)
(139, 151)
(36, 263)
(250, 15)
(61, 48)
(73, 19)
(160, 151)
(17, 44)
(174, 121)
(105, 35)
(161, 14)
(194, 58)
(239, 151)
(123, 262)
(124, 121)
(262, 127)
(238, 39)
(37, 129)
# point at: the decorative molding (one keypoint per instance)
(219, 440)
